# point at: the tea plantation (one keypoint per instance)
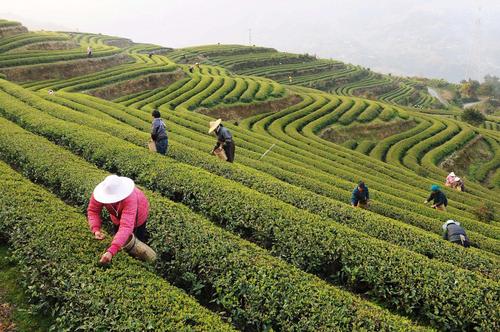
(269, 243)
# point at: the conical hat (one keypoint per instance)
(214, 125)
(113, 189)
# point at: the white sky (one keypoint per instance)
(343, 29)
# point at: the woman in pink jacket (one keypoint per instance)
(128, 208)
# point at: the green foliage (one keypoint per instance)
(472, 116)
(208, 262)
(298, 237)
(485, 212)
(58, 260)
(12, 293)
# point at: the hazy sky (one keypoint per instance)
(440, 38)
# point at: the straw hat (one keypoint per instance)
(113, 189)
(214, 125)
(451, 174)
(450, 222)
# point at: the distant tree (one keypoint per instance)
(490, 87)
(473, 116)
(468, 89)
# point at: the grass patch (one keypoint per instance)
(16, 313)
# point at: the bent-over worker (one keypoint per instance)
(454, 182)
(360, 196)
(454, 233)
(159, 133)
(224, 139)
(128, 208)
(439, 198)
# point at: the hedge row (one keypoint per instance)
(381, 149)
(382, 271)
(387, 114)
(241, 280)
(343, 195)
(29, 38)
(374, 225)
(416, 152)
(371, 112)
(311, 152)
(351, 163)
(57, 256)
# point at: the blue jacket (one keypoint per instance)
(158, 130)
(224, 137)
(360, 196)
(453, 232)
(439, 198)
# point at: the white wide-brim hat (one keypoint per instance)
(450, 222)
(451, 174)
(214, 125)
(113, 189)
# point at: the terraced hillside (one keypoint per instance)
(267, 243)
(308, 71)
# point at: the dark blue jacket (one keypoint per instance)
(224, 137)
(158, 130)
(359, 196)
(439, 198)
(453, 232)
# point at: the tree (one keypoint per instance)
(473, 117)
(490, 87)
(468, 89)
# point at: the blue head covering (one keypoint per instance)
(435, 187)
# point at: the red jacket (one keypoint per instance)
(123, 214)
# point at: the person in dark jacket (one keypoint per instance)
(224, 139)
(454, 233)
(360, 196)
(439, 198)
(159, 133)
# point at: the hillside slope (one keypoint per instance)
(267, 243)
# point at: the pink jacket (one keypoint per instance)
(123, 214)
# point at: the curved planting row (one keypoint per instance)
(491, 166)
(269, 215)
(372, 80)
(207, 90)
(245, 61)
(206, 260)
(34, 57)
(349, 171)
(294, 69)
(278, 115)
(394, 96)
(329, 76)
(8, 44)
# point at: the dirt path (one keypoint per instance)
(435, 94)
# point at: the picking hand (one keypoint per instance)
(106, 258)
(99, 235)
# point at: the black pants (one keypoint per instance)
(162, 145)
(466, 243)
(229, 150)
(140, 232)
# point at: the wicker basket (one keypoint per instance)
(140, 250)
(219, 152)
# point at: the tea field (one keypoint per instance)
(267, 243)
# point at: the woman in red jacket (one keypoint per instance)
(128, 208)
